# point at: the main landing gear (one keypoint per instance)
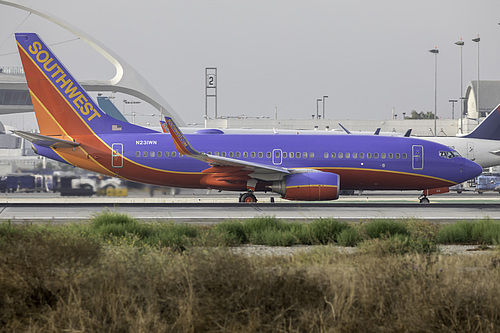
(248, 197)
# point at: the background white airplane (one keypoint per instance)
(482, 145)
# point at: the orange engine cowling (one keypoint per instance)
(309, 186)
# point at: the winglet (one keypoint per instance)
(181, 143)
(164, 126)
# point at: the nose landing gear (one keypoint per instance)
(423, 199)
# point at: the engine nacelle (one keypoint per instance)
(309, 186)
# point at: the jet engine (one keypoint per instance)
(309, 186)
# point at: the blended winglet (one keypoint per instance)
(164, 126)
(181, 143)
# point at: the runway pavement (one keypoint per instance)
(451, 207)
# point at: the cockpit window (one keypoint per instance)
(449, 154)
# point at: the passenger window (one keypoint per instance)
(347, 155)
(137, 154)
(174, 154)
(311, 155)
(375, 155)
(245, 154)
(382, 155)
(354, 155)
(158, 154)
(368, 155)
(304, 155)
(285, 154)
(152, 154)
(252, 154)
(334, 155)
(268, 154)
(297, 155)
(238, 154)
(341, 155)
(261, 154)
(361, 155)
(223, 154)
(404, 155)
(231, 154)
(326, 155)
(291, 155)
(145, 154)
(216, 153)
(390, 155)
(398, 155)
(167, 154)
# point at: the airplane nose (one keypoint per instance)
(470, 170)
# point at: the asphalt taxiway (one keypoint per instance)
(450, 207)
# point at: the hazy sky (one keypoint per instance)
(367, 56)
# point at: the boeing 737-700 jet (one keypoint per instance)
(74, 130)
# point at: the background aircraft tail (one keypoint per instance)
(62, 107)
(489, 128)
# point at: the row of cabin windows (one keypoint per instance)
(157, 154)
(230, 154)
(367, 155)
(283, 154)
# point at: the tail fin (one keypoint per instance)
(111, 110)
(489, 128)
(62, 107)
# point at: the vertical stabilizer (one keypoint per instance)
(489, 128)
(62, 107)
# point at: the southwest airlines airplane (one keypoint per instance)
(74, 130)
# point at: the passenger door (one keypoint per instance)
(470, 151)
(417, 160)
(117, 155)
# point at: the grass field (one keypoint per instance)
(115, 274)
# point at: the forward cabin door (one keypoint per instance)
(470, 151)
(117, 155)
(417, 157)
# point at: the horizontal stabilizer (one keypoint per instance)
(46, 141)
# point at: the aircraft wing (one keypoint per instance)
(46, 141)
(185, 148)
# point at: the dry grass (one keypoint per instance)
(58, 283)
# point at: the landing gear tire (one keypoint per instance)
(248, 197)
(424, 200)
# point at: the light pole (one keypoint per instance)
(461, 44)
(317, 107)
(435, 51)
(477, 39)
(324, 97)
(452, 101)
